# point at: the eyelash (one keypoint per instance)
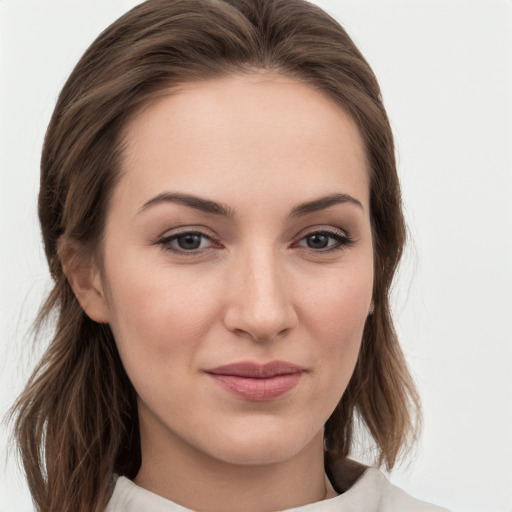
(343, 242)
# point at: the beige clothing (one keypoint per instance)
(363, 490)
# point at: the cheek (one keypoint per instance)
(339, 302)
(157, 314)
(335, 311)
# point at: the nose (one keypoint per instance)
(260, 304)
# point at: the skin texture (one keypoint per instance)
(254, 289)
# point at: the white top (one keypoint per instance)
(372, 492)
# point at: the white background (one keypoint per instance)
(445, 68)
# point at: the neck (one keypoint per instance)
(179, 472)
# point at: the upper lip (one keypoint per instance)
(256, 370)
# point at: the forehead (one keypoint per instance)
(257, 133)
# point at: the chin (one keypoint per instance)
(260, 446)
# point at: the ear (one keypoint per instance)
(84, 278)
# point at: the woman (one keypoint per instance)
(221, 216)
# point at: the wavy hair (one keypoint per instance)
(76, 421)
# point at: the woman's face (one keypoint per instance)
(238, 265)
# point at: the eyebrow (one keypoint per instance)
(322, 203)
(212, 207)
(198, 203)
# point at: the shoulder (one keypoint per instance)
(369, 489)
(394, 499)
(129, 497)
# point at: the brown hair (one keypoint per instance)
(76, 421)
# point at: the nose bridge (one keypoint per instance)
(261, 304)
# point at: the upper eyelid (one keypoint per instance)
(323, 229)
(180, 231)
(302, 234)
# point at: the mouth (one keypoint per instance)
(252, 381)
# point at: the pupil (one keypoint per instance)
(189, 241)
(318, 241)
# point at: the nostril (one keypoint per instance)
(261, 329)
(259, 305)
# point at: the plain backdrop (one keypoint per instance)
(445, 68)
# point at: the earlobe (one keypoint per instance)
(85, 280)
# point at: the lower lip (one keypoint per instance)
(257, 389)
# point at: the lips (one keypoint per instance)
(253, 381)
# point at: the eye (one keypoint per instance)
(325, 241)
(189, 242)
